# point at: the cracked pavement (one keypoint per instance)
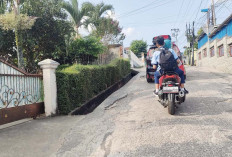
(132, 123)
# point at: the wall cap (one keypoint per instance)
(48, 64)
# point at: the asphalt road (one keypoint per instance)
(132, 123)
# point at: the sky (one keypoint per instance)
(144, 19)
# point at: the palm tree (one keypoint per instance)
(77, 14)
(96, 14)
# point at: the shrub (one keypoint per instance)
(138, 46)
(77, 84)
(85, 50)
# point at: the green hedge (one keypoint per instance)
(78, 83)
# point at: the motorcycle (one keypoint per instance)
(170, 94)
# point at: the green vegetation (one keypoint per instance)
(109, 31)
(17, 22)
(199, 32)
(138, 46)
(77, 14)
(85, 50)
(78, 83)
(104, 27)
(48, 33)
(188, 50)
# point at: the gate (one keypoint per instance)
(21, 94)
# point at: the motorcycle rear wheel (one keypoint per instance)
(171, 104)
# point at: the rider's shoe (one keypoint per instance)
(185, 90)
(155, 93)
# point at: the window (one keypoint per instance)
(221, 51)
(205, 52)
(230, 50)
(212, 53)
(199, 55)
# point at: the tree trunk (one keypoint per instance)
(18, 39)
(77, 32)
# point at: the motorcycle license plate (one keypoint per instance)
(170, 89)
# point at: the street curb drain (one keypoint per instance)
(93, 103)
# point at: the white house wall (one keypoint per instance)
(223, 63)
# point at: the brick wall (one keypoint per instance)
(222, 63)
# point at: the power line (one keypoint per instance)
(179, 12)
(153, 24)
(202, 18)
(135, 10)
(145, 10)
(221, 4)
(192, 16)
(157, 20)
(217, 4)
(227, 7)
(198, 10)
(187, 9)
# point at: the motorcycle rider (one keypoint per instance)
(155, 63)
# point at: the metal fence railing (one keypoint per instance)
(17, 88)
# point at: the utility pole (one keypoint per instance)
(193, 41)
(207, 28)
(188, 43)
(175, 33)
(213, 13)
(189, 31)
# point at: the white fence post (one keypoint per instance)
(49, 82)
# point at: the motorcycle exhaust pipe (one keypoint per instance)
(181, 93)
(160, 93)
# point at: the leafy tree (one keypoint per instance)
(85, 50)
(109, 31)
(17, 22)
(199, 32)
(104, 27)
(138, 46)
(4, 2)
(7, 40)
(77, 14)
(96, 14)
(2, 7)
(7, 43)
(47, 38)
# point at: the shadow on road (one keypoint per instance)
(202, 106)
(186, 149)
(202, 75)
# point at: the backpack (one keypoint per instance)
(167, 61)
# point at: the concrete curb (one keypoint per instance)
(4, 126)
